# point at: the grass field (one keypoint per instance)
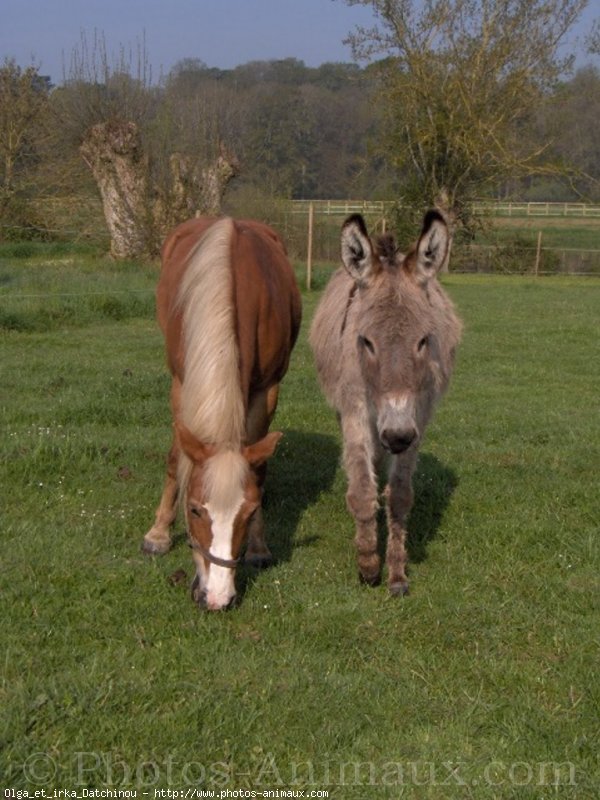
(483, 683)
(580, 234)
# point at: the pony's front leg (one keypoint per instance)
(361, 497)
(158, 539)
(399, 499)
(260, 415)
(257, 551)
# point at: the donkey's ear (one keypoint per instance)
(432, 247)
(358, 255)
(257, 453)
(193, 448)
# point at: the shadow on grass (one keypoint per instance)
(305, 467)
(302, 468)
(434, 484)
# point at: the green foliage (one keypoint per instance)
(296, 131)
(461, 82)
(111, 678)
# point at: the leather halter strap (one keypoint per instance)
(351, 294)
(228, 563)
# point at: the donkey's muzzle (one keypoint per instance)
(397, 441)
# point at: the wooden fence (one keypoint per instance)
(313, 231)
(484, 207)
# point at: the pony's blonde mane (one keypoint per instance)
(212, 407)
(224, 479)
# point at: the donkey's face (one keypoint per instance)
(221, 496)
(396, 327)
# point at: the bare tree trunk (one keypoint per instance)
(214, 180)
(113, 151)
(139, 215)
(193, 192)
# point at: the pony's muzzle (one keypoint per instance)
(217, 605)
(206, 603)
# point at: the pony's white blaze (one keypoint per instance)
(224, 479)
(220, 583)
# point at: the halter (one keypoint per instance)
(348, 304)
(229, 563)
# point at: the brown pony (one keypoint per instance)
(229, 308)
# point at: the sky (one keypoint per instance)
(222, 33)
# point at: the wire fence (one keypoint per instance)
(313, 232)
(84, 224)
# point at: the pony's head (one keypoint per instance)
(221, 491)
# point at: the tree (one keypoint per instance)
(23, 102)
(148, 178)
(279, 140)
(593, 39)
(569, 120)
(459, 82)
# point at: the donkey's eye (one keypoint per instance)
(367, 344)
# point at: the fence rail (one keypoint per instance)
(495, 209)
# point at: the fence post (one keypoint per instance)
(538, 253)
(311, 213)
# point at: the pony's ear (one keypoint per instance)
(257, 453)
(193, 448)
(432, 248)
(358, 254)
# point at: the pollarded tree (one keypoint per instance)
(460, 80)
(147, 183)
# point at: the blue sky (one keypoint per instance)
(222, 33)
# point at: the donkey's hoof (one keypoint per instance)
(399, 589)
(370, 580)
(155, 548)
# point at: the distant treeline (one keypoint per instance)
(291, 131)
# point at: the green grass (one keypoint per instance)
(44, 287)
(473, 686)
(578, 234)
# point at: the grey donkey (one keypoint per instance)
(384, 337)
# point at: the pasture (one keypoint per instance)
(482, 683)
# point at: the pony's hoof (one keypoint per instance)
(152, 548)
(259, 561)
(198, 595)
(399, 589)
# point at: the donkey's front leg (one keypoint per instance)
(399, 499)
(361, 496)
